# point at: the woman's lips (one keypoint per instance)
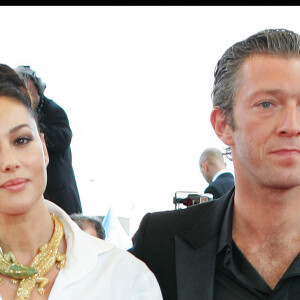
(15, 185)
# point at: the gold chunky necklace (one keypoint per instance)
(41, 265)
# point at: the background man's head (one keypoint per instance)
(33, 83)
(211, 161)
(89, 224)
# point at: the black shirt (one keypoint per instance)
(237, 279)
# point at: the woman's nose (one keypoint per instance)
(8, 161)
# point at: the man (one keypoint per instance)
(246, 244)
(89, 224)
(53, 121)
(213, 169)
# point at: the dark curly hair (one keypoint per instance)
(11, 85)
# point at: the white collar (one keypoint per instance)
(79, 244)
(218, 174)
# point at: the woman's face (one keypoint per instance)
(23, 159)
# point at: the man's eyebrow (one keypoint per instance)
(274, 92)
(14, 129)
(270, 91)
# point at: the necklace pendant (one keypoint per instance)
(43, 263)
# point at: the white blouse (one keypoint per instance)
(96, 270)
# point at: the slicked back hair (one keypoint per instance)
(277, 42)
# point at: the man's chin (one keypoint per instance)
(284, 184)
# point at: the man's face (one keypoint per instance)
(266, 140)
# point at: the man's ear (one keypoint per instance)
(46, 155)
(204, 167)
(221, 126)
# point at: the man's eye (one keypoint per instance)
(266, 104)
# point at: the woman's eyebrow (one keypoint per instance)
(16, 128)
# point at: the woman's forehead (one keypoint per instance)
(14, 112)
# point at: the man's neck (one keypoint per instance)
(266, 227)
(264, 210)
(222, 171)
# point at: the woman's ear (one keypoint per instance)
(46, 155)
(221, 126)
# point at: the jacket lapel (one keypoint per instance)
(196, 253)
(195, 270)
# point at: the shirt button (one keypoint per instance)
(227, 250)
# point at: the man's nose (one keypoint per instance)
(289, 124)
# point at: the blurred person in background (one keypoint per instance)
(89, 224)
(61, 183)
(213, 169)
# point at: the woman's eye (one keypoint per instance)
(22, 141)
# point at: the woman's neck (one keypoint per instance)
(25, 234)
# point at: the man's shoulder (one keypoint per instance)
(225, 175)
(50, 104)
(225, 178)
(183, 213)
(201, 221)
(46, 100)
(176, 221)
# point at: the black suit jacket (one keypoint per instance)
(221, 185)
(61, 183)
(180, 248)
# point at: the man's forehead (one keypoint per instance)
(263, 57)
(270, 73)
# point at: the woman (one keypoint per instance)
(44, 254)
